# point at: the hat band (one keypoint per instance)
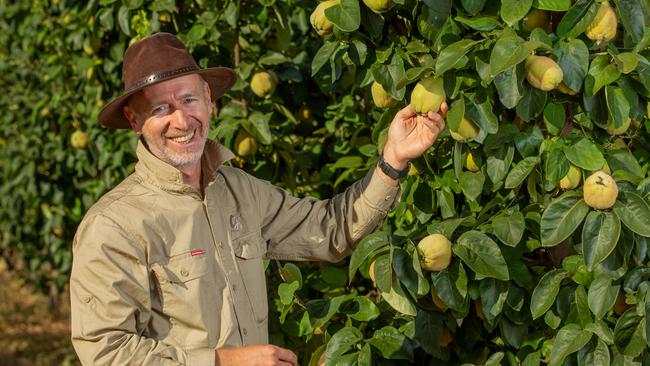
(157, 77)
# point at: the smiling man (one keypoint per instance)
(168, 266)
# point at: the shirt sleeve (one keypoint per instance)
(310, 229)
(111, 301)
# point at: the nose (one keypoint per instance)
(180, 120)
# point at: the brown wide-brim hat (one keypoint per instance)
(154, 59)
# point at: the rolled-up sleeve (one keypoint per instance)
(311, 229)
(110, 290)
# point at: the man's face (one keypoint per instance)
(173, 117)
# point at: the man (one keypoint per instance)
(168, 265)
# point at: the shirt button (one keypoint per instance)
(184, 272)
(245, 331)
(87, 298)
(220, 245)
(234, 288)
(387, 198)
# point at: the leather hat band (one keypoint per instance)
(157, 77)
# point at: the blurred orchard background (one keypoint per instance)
(543, 94)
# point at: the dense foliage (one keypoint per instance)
(537, 274)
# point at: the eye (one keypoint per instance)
(159, 109)
(190, 100)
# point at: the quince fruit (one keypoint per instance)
(245, 144)
(470, 164)
(467, 130)
(543, 73)
(603, 27)
(263, 83)
(435, 252)
(428, 95)
(600, 190)
(379, 95)
(319, 21)
(379, 6)
(79, 139)
(572, 179)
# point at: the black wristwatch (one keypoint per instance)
(390, 171)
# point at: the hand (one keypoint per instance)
(256, 355)
(410, 135)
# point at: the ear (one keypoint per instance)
(207, 91)
(131, 116)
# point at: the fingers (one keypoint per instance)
(285, 355)
(405, 113)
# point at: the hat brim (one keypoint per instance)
(220, 80)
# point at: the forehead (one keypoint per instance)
(173, 88)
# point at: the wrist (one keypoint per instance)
(391, 158)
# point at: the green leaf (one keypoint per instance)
(472, 184)
(509, 228)
(259, 127)
(629, 334)
(450, 55)
(510, 50)
(322, 56)
(347, 162)
(290, 273)
(532, 102)
(322, 310)
(617, 105)
(582, 306)
(562, 217)
(498, 164)
(521, 171)
(573, 58)
(624, 160)
(481, 24)
(585, 154)
(392, 344)
(346, 16)
(569, 339)
(554, 5)
(383, 272)
(554, 118)
(447, 283)
(631, 14)
(481, 111)
(577, 19)
(514, 10)
(600, 234)
(482, 255)
(429, 332)
(601, 72)
(341, 342)
(626, 62)
(493, 296)
(405, 271)
(390, 75)
(602, 330)
(398, 299)
(363, 309)
(366, 246)
(196, 33)
(509, 86)
(546, 291)
(124, 20)
(602, 296)
(286, 291)
(634, 211)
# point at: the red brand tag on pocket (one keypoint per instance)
(197, 252)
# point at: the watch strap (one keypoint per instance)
(390, 171)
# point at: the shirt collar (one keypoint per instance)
(168, 177)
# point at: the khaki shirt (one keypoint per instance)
(163, 276)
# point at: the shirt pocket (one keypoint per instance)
(250, 250)
(183, 282)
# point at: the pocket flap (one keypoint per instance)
(250, 246)
(181, 268)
